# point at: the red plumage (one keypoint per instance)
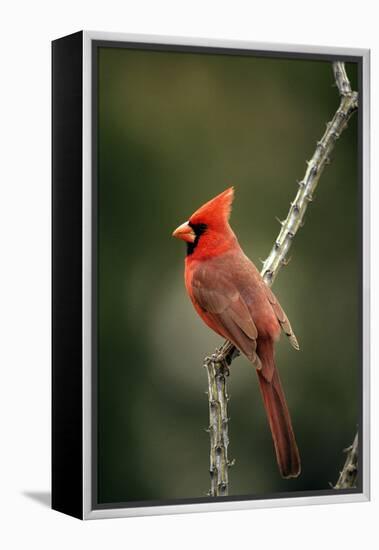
(231, 297)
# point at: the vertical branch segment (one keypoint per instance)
(218, 428)
(277, 258)
(342, 81)
(218, 370)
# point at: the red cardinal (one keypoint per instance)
(231, 297)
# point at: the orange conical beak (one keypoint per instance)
(185, 232)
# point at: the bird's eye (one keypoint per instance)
(199, 228)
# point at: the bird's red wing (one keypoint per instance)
(282, 317)
(224, 309)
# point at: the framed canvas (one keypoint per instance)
(157, 137)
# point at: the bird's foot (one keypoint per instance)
(223, 356)
(218, 359)
(208, 361)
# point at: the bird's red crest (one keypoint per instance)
(216, 211)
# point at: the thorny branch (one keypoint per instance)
(349, 472)
(217, 364)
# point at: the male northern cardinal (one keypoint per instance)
(232, 298)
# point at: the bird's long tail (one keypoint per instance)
(278, 415)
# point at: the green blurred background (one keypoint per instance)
(175, 129)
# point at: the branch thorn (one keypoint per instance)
(285, 262)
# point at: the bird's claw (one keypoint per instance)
(222, 356)
(219, 358)
(207, 361)
(225, 369)
(223, 360)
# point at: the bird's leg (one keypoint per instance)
(227, 352)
